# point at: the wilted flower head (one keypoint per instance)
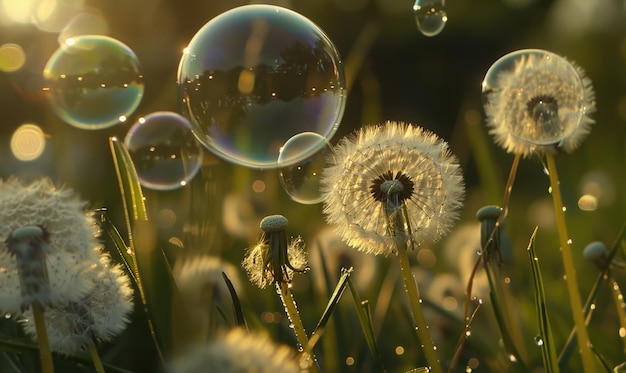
(274, 258)
(100, 315)
(536, 102)
(49, 226)
(239, 352)
(388, 171)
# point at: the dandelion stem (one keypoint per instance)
(97, 363)
(298, 327)
(584, 344)
(416, 308)
(45, 354)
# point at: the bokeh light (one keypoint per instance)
(302, 160)
(93, 81)
(257, 75)
(28, 142)
(12, 57)
(165, 152)
(86, 22)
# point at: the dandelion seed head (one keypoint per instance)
(391, 164)
(537, 102)
(238, 352)
(38, 218)
(274, 223)
(262, 267)
(100, 315)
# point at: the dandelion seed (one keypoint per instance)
(38, 219)
(537, 102)
(98, 316)
(383, 169)
(238, 352)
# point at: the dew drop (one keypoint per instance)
(564, 208)
(622, 332)
(468, 333)
(569, 241)
(538, 341)
(549, 189)
(430, 16)
(512, 358)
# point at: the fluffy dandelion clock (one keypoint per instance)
(239, 352)
(50, 249)
(100, 315)
(536, 102)
(392, 181)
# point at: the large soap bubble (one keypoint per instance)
(255, 76)
(165, 152)
(93, 81)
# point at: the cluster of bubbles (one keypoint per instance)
(260, 86)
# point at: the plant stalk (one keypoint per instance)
(97, 363)
(584, 344)
(298, 327)
(45, 353)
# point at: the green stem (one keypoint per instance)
(416, 308)
(584, 345)
(298, 327)
(45, 353)
(97, 363)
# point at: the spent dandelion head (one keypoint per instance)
(275, 258)
(48, 228)
(100, 315)
(238, 352)
(537, 102)
(388, 171)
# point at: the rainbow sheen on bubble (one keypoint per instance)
(164, 150)
(93, 82)
(257, 75)
(301, 162)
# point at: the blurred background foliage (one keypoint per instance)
(394, 73)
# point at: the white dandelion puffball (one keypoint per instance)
(391, 163)
(537, 102)
(238, 352)
(100, 315)
(71, 249)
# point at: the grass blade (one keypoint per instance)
(334, 299)
(239, 316)
(167, 317)
(545, 341)
(365, 319)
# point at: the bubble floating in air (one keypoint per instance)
(164, 150)
(257, 75)
(93, 81)
(430, 16)
(301, 162)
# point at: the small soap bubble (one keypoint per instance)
(165, 152)
(92, 81)
(430, 16)
(301, 162)
(255, 76)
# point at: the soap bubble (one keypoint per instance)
(93, 81)
(299, 174)
(255, 76)
(535, 99)
(165, 152)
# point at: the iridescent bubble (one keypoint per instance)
(254, 77)
(536, 100)
(301, 162)
(430, 16)
(93, 81)
(164, 150)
